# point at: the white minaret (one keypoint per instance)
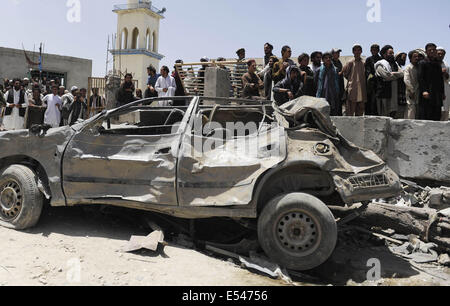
(137, 39)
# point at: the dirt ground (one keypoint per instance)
(76, 246)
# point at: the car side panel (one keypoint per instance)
(226, 175)
(131, 168)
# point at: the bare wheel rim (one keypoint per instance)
(11, 198)
(298, 233)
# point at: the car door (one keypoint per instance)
(118, 164)
(225, 173)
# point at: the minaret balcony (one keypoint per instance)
(140, 5)
(137, 51)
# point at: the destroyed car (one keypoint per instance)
(279, 167)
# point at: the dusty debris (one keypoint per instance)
(440, 198)
(444, 260)
(381, 236)
(244, 247)
(444, 213)
(423, 222)
(414, 195)
(221, 252)
(263, 265)
(417, 251)
(255, 262)
(149, 242)
(184, 241)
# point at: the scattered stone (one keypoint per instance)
(400, 237)
(149, 242)
(263, 265)
(389, 232)
(445, 212)
(416, 250)
(440, 198)
(444, 260)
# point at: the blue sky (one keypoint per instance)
(195, 28)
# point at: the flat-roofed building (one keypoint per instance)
(71, 71)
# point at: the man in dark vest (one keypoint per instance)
(16, 106)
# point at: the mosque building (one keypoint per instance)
(137, 39)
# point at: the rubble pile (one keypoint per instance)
(414, 195)
(414, 227)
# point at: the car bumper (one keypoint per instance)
(368, 186)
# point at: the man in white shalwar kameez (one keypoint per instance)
(16, 105)
(388, 73)
(165, 86)
(53, 113)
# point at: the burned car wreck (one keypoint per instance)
(280, 167)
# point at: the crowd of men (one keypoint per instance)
(24, 104)
(158, 85)
(381, 85)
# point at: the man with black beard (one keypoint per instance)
(268, 48)
(431, 86)
(309, 88)
(316, 61)
(388, 74)
(78, 108)
(126, 91)
(371, 105)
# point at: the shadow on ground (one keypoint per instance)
(350, 261)
(90, 221)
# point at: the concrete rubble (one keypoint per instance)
(150, 242)
(414, 195)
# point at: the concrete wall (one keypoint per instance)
(412, 148)
(217, 83)
(13, 64)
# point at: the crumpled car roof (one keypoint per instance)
(295, 112)
(304, 111)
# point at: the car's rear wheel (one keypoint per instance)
(20, 199)
(298, 231)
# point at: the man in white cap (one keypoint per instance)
(16, 104)
(27, 87)
(445, 71)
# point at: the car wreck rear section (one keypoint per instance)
(279, 166)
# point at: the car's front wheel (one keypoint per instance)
(20, 199)
(298, 231)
